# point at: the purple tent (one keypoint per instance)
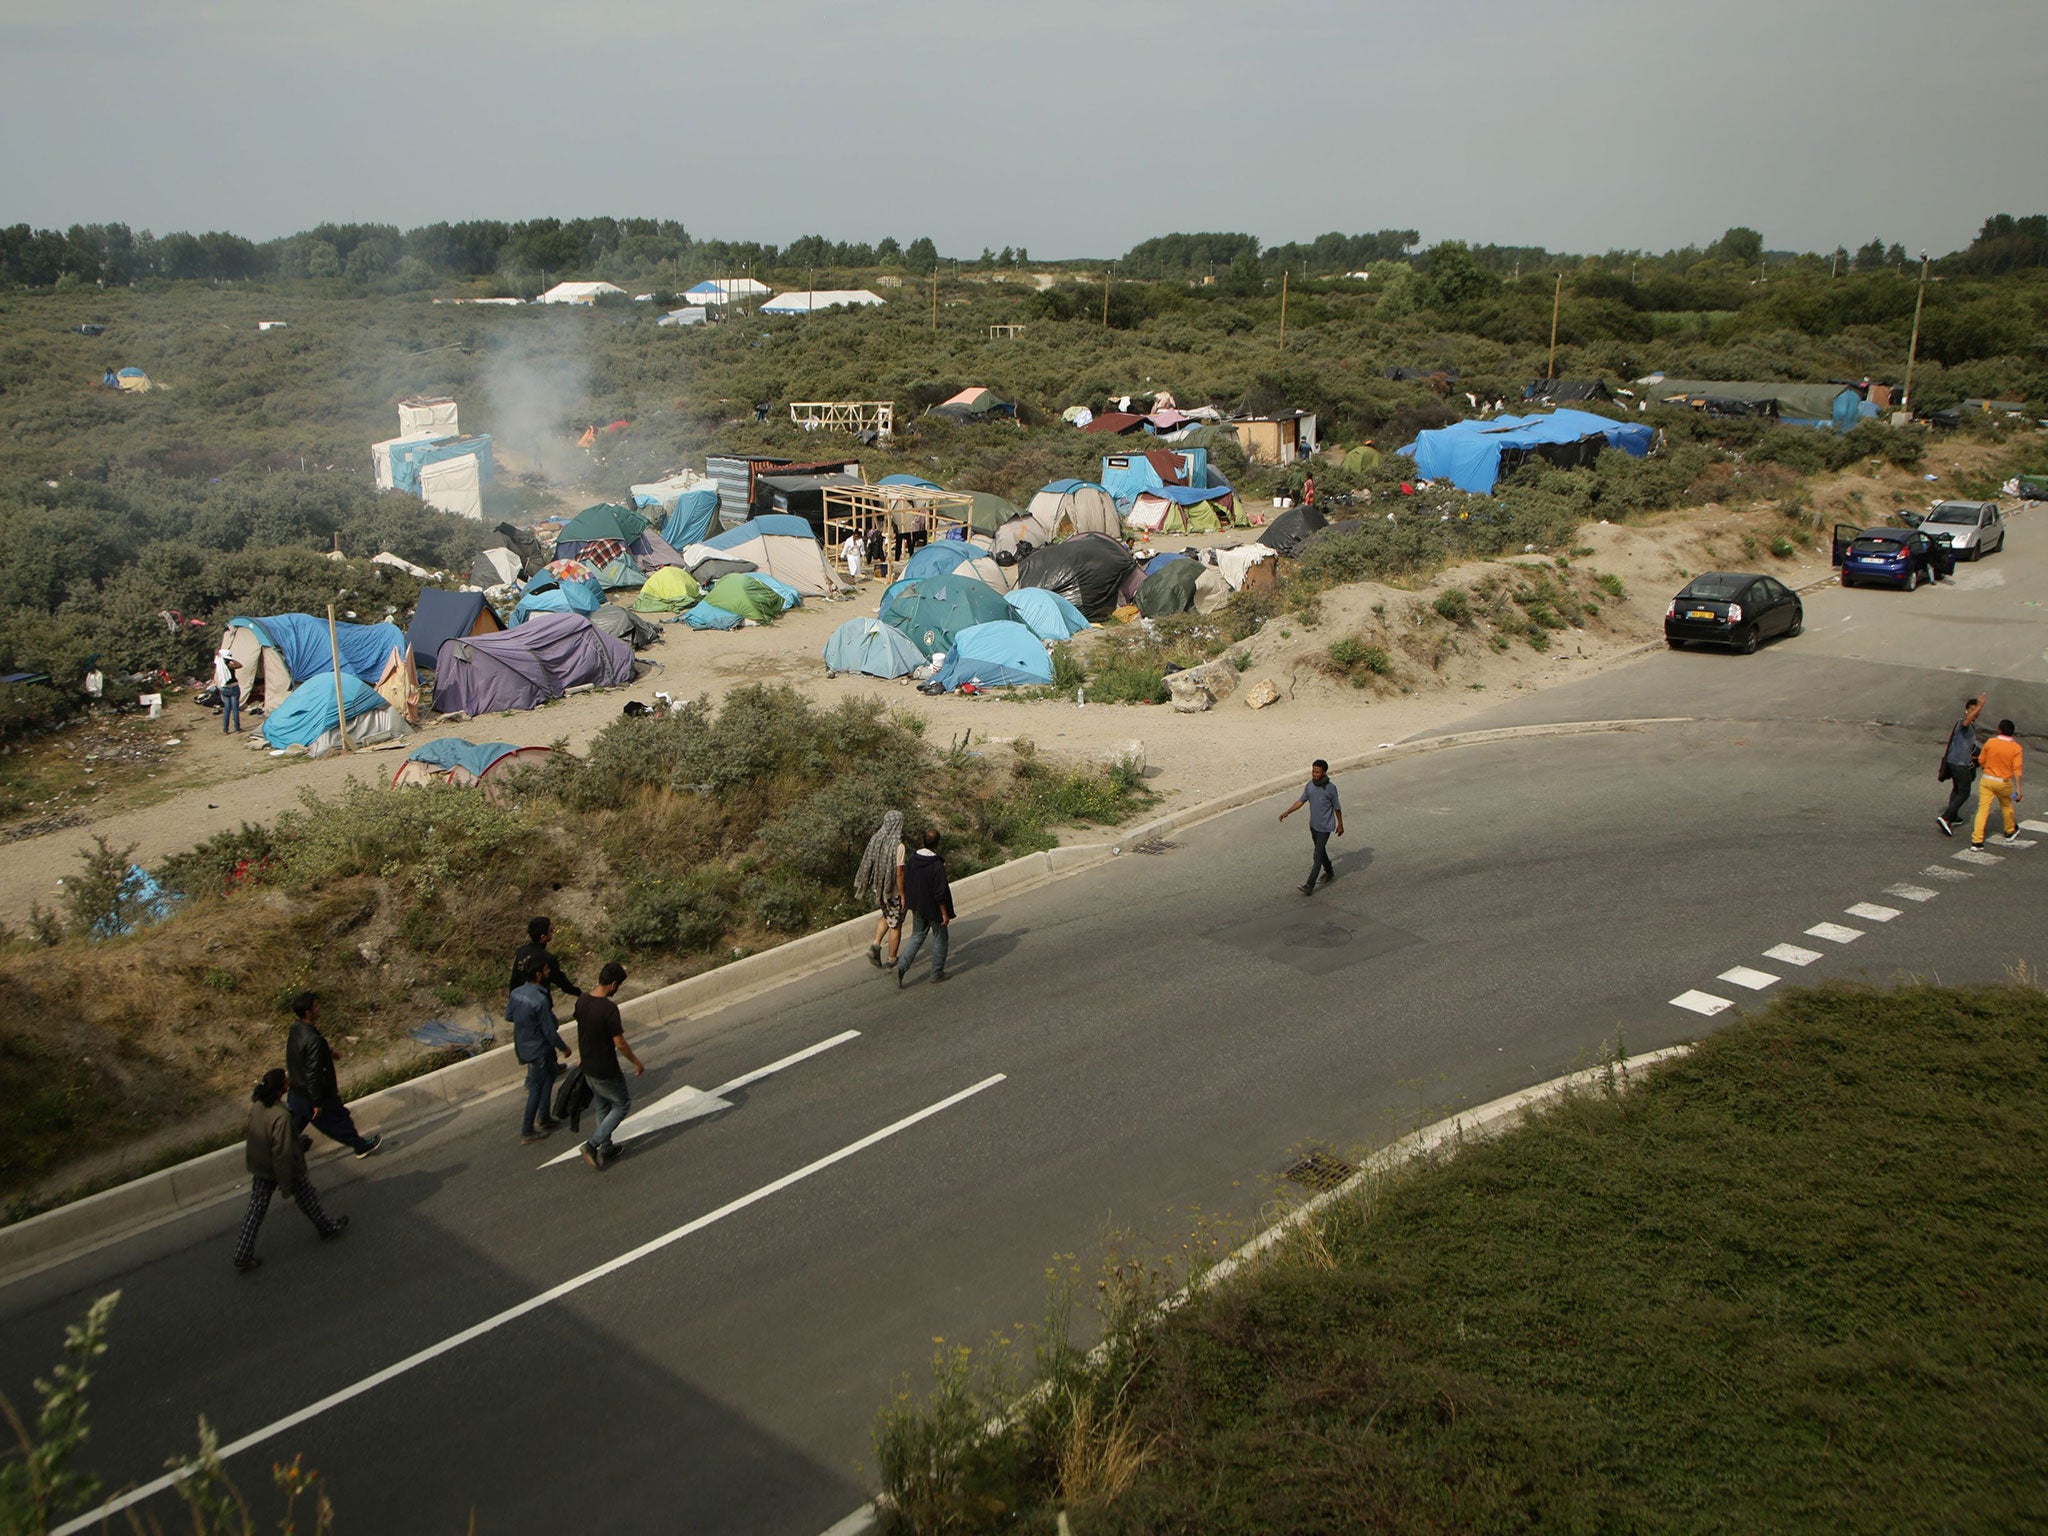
(525, 667)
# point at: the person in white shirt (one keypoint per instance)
(224, 669)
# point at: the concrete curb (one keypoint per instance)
(1471, 1125)
(78, 1227)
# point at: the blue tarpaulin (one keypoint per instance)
(454, 752)
(694, 516)
(1468, 453)
(302, 640)
(1002, 654)
(308, 712)
(1045, 613)
(775, 525)
(704, 616)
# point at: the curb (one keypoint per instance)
(78, 1227)
(1488, 1119)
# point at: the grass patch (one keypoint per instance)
(1788, 1283)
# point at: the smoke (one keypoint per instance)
(537, 386)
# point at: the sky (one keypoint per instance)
(1071, 129)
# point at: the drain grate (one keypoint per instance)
(1157, 845)
(1320, 1172)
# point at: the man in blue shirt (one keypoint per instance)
(536, 1041)
(1959, 766)
(1325, 815)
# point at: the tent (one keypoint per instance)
(804, 301)
(1292, 528)
(693, 517)
(990, 512)
(1170, 588)
(919, 482)
(579, 293)
(524, 668)
(689, 314)
(1473, 455)
(444, 615)
(669, 489)
(745, 597)
(606, 520)
(953, 555)
(495, 568)
(705, 616)
(1045, 613)
(1161, 511)
(307, 718)
(133, 380)
(974, 404)
(1807, 405)
(620, 572)
(1088, 572)
(1362, 458)
(870, 646)
(1072, 506)
(725, 290)
(626, 625)
(782, 547)
(277, 652)
(451, 760)
(1002, 654)
(549, 592)
(669, 590)
(933, 611)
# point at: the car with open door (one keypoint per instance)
(1883, 557)
(1971, 529)
(1739, 609)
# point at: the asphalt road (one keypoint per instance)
(698, 1339)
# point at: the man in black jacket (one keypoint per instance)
(540, 933)
(928, 898)
(315, 1091)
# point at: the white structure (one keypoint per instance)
(427, 416)
(726, 290)
(689, 314)
(804, 301)
(579, 293)
(454, 485)
(380, 455)
(270, 325)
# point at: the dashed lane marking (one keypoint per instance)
(1792, 954)
(1977, 856)
(1835, 933)
(1943, 872)
(1909, 892)
(1873, 911)
(2016, 842)
(1701, 1002)
(1746, 976)
(2035, 826)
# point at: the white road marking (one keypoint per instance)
(1943, 872)
(2035, 826)
(512, 1314)
(1977, 856)
(1835, 933)
(1908, 892)
(1746, 976)
(686, 1103)
(2018, 842)
(1792, 954)
(1873, 911)
(1701, 1002)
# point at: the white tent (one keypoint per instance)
(380, 454)
(427, 416)
(454, 485)
(725, 290)
(579, 293)
(689, 314)
(1068, 507)
(804, 301)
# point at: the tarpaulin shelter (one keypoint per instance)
(1170, 588)
(456, 485)
(951, 555)
(660, 496)
(782, 547)
(1126, 475)
(411, 457)
(550, 593)
(625, 625)
(1045, 613)
(133, 380)
(692, 518)
(871, 647)
(525, 667)
(990, 512)
(1176, 509)
(278, 652)
(744, 597)
(1087, 571)
(669, 590)
(1001, 654)
(308, 717)
(1292, 529)
(1115, 422)
(606, 520)
(1566, 391)
(381, 454)
(428, 415)
(1805, 405)
(452, 760)
(444, 615)
(933, 611)
(973, 404)
(1473, 455)
(1068, 507)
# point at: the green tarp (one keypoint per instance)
(739, 593)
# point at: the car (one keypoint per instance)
(1888, 557)
(1971, 529)
(1741, 609)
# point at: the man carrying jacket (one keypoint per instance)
(537, 1042)
(928, 898)
(315, 1092)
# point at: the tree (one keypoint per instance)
(1454, 277)
(1023, 257)
(1869, 256)
(1895, 256)
(1402, 291)
(1008, 257)
(322, 260)
(888, 250)
(1741, 245)
(922, 256)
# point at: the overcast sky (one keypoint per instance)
(1069, 127)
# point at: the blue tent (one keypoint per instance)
(546, 594)
(1002, 654)
(909, 480)
(938, 559)
(453, 752)
(1166, 559)
(1471, 454)
(791, 598)
(308, 711)
(870, 646)
(302, 640)
(705, 616)
(1045, 613)
(694, 516)
(773, 526)
(444, 616)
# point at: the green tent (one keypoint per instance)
(1170, 589)
(606, 520)
(1362, 458)
(669, 590)
(932, 611)
(990, 512)
(619, 572)
(738, 593)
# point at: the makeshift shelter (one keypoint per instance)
(428, 416)
(451, 760)
(974, 404)
(956, 555)
(900, 516)
(309, 717)
(782, 547)
(745, 597)
(381, 460)
(1567, 391)
(525, 667)
(1088, 572)
(442, 616)
(1126, 476)
(1803, 405)
(133, 380)
(409, 458)
(1177, 509)
(1281, 438)
(689, 314)
(279, 652)
(805, 301)
(668, 590)
(692, 518)
(1170, 588)
(1045, 613)
(668, 490)
(579, 293)
(871, 647)
(1117, 423)
(1001, 654)
(606, 520)
(738, 477)
(626, 625)
(1473, 455)
(933, 611)
(455, 485)
(801, 496)
(1292, 529)
(549, 592)
(1067, 507)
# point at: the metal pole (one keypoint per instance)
(1913, 356)
(340, 705)
(1105, 294)
(1283, 308)
(1556, 303)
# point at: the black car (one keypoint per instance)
(1724, 608)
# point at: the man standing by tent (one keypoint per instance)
(230, 689)
(928, 897)
(1325, 815)
(315, 1092)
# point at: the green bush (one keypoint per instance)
(683, 914)
(1123, 680)
(1783, 547)
(1611, 584)
(1455, 604)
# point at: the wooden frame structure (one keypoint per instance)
(855, 511)
(877, 416)
(1004, 332)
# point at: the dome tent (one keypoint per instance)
(1170, 589)
(745, 597)
(308, 718)
(1088, 572)
(693, 517)
(669, 590)
(452, 760)
(1003, 654)
(933, 611)
(871, 647)
(525, 667)
(949, 555)
(1045, 613)
(1067, 507)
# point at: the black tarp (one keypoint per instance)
(1575, 455)
(627, 625)
(1086, 570)
(1170, 589)
(1420, 375)
(1291, 529)
(521, 543)
(446, 616)
(1565, 391)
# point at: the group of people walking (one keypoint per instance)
(1993, 767)
(598, 1079)
(904, 884)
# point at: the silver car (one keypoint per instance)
(1972, 529)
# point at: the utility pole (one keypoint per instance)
(1556, 303)
(935, 298)
(1283, 308)
(1913, 356)
(1105, 294)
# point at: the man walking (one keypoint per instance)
(315, 1091)
(540, 933)
(2000, 760)
(1325, 815)
(536, 1042)
(277, 1165)
(928, 897)
(230, 689)
(600, 1041)
(1959, 765)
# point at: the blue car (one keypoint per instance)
(1884, 557)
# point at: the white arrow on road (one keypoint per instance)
(686, 1103)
